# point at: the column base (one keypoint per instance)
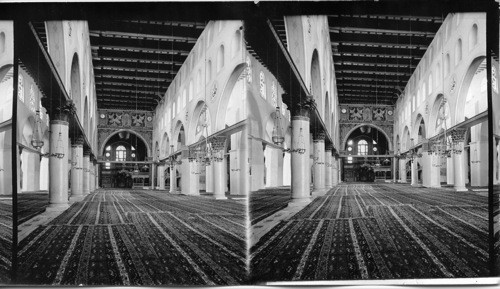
(460, 189)
(74, 199)
(56, 207)
(299, 202)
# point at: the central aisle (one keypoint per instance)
(378, 231)
(117, 237)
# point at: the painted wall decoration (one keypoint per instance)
(125, 119)
(353, 115)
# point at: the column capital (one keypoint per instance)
(79, 140)
(86, 152)
(303, 108)
(329, 147)
(458, 134)
(319, 135)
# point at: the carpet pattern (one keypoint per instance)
(30, 205)
(5, 239)
(139, 238)
(360, 231)
(264, 203)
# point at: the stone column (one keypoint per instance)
(244, 166)
(336, 170)
(161, 177)
(190, 177)
(219, 174)
(58, 164)
(450, 171)
(458, 136)
(173, 180)
(328, 167)
(435, 171)
(97, 176)
(77, 172)
(319, 160)
(152, 176)
(414, 172)
(301, 173)
(402, 170)
(394, 169)
(86, 173)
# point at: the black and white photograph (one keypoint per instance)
(249, 143)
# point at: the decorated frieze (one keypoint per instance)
(346, 128)
(104, 133)
(125, 119)
(363, 113)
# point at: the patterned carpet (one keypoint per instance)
(361, 231)
(5, 239)
(264, 203)
(30, 205)
(139, 238)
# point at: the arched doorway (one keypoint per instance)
(122, 152)
(367, 149)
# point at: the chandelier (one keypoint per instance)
(36, 142)
(172, 160)
(277, 135)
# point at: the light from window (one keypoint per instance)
(362, 148)
(108, 148)
(108, 165)
(349, 148)
(121, 154)
(349, 160)
(349, 142)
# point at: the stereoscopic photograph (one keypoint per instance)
(242, 143)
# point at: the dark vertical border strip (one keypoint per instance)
(14, 157)
(491, 52)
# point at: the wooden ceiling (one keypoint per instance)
(375, 55)
(135, 61)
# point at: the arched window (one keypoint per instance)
(473, 37)
(2, 42)
(458, 51)
(236, 43)
(184, 98)
(447, 64)
(362, 147)
(20, 88)
(262, 85)
(190, 92)
(220, 58)
(198, 81)
(209, 70)
(121, 154)
(429, 83)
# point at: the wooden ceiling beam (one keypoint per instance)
(401, 66)
(140, 49)
(136, 60)
(345, 84)
(372, 72)
(118, 83)
(380, 44)
(140, 36)
(121, 77)
(197, 25)
(367, 30)
(141, 70)
(384, 55)
(131, 91)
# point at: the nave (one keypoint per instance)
(377, 231)
(138, 237)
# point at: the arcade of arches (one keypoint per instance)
(183, 156)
